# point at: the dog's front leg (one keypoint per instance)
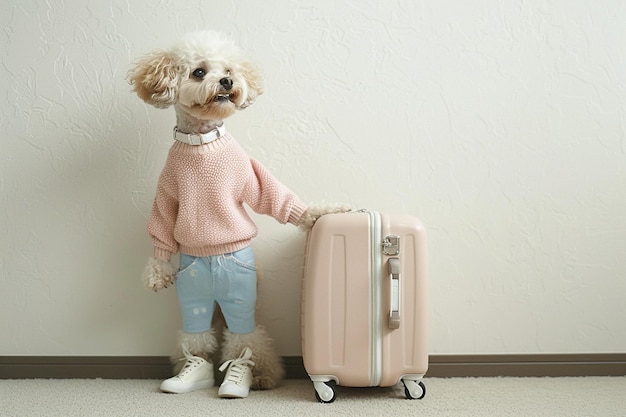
(158, 274)
(310, 216)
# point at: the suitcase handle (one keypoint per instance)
(394, 279)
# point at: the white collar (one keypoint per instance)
(199, 139)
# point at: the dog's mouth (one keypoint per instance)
(220, 98)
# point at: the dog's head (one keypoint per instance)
(204, 72)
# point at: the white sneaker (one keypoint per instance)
(238, 377)
(196, 374)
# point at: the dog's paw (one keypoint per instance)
(158, 274)
(263, 382)
(310, 216)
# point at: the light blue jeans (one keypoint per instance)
(228, 280)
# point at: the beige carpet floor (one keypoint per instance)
(446, 397)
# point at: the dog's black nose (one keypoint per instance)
(227, 83)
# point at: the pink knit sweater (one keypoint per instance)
(198, 208)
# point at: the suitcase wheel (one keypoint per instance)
(414, 390)
(325, 391)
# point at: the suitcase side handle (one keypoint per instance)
(394, 279)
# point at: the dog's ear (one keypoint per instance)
(253, 77)
(155, 79)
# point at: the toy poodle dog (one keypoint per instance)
(199, 212)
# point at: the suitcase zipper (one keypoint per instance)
(376, 280)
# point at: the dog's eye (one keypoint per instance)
(199, 73)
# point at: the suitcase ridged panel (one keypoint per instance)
(338, 302)
(332, 301)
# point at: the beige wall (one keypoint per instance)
(500, 124)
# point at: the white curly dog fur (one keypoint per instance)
(191, 77)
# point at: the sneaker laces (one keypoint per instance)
(237, 368)
(192, 362)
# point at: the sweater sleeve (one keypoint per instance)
(266, 195)
(162, 221)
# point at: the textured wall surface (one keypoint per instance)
(501, 124)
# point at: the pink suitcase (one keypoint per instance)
(364, 310)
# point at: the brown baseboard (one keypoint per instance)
(555, 365)
(158, 367)
(87, 367)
